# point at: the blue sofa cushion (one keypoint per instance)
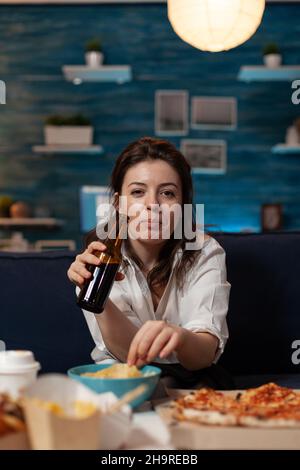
(264, 308)
(38, 310)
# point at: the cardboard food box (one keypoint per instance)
(14, 441)
(50, 430)
(187, 435)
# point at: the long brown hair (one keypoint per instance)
(148, 148)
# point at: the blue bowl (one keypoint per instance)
(118, 386)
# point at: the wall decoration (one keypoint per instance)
(214, 113)
(171, 112)
(271, 217)
(205, 156)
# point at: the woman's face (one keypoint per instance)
(151, 188)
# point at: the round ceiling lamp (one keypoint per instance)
(215, 25)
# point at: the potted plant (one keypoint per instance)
(272, 55)
(68, 130)
(93, 53)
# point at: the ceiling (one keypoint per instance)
(7, 2)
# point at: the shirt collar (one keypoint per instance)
(197, 244)
(126, 256)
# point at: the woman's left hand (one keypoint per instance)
(154, 338)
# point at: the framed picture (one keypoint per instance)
(171, 112)
(205, 156)
(90, 199)
(271, 217)
(214, 113)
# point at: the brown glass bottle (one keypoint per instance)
(96, 290)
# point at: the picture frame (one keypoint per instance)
(171, 112)
(214, 113)
(271, 217)
(205, 156)
(89, 198)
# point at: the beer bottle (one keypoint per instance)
(96, 290)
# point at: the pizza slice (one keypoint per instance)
(267, 406)
(207, 406)
(269, 395)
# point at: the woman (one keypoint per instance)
(170, 303)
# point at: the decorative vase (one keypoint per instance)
(292, 136)
(272, 61)
(94, 59)
(20, 209)
(68, 135)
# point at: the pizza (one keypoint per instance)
(266, 406)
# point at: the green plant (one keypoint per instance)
(93, 45)
(5, 203)
(271, 48)
(71, 120)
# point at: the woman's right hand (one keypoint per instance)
(78, 272)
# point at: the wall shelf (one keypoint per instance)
(284, 149)
(65, 149)
(249, 73)
(106, 73)
(32, 222)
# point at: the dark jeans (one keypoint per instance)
(176, 376)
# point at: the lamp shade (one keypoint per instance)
(215, 25)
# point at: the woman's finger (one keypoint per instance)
(97, 245)
(159, 344)
(88, 258)
(171, 346)
(132, 353)
(77, 279)
(82, 271)
(143, 340)
(147, 340)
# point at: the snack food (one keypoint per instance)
(11, 415)
(116, 371)
(267, 406)
(79, 409)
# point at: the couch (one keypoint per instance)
(38, 309)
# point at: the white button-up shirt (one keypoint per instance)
(201, 306)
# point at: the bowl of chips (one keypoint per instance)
(118, 379)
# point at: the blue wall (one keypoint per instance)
(37, 40)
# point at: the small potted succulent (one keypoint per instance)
(68, 130)
(93, 53)
(272, 55)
